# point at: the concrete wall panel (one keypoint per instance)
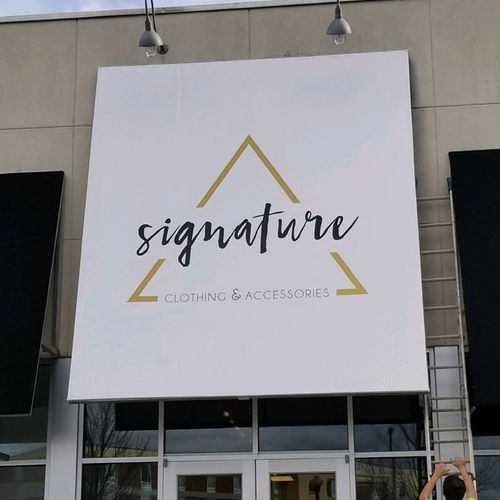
(69, 265)
(424, 137)
(466, 51)
(81, 153)
(466, 128)
(104, 42)
(301, 30)
(206, 36)
(425, 148)
(34, 150)
(37, 68)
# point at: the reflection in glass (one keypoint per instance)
(120, 481)
(223, 487)
(223, 425)
(390, 478)
(487, 442)
(121, 429)
(488, 477)
(22, 482)
(388, 423)
(25, 438)
(303, 486)
(486, 428)
(291, 424)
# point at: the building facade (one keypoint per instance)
(329, 447)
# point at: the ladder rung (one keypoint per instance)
(423, 199)
(436, 337)
(446, 398)
(443, 367)
(441, 410)
(440, 308)
(446, 461)
(424, 225)
(439, 251)
(449, 441)
(439, 279)
(448, 429)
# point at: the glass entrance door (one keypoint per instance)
(210, 480)
(282, 479)
(310, 479)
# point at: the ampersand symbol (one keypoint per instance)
(236, 294)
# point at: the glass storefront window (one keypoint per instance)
(221, 487)
(388, 423)
(120, 481)
(25, 438)
(121, 430)
(294, 424)
(488, 477)
(223, 425)
(22, 482)
(486, 442)
(385, 478)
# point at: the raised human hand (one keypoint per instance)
(440, 470)
(459, 463)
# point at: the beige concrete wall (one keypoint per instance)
(48, 75)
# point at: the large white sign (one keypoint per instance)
(251, 229)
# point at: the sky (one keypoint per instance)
(27, 7)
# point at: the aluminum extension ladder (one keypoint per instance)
(442, 440)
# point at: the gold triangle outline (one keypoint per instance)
(137, 295)
(248, 142)
(358, 289)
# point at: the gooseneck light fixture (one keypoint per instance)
(150, 39)
(339, 27)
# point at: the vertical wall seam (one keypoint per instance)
(75, 72)
(64, 335)
(249, 35)
(439, 182)
(68, 196)
(431, 40)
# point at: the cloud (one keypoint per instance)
(12, 7)
(26, 7)
(29, 7)
(91, 5)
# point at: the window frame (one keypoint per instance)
(38, 462)
(349, 454)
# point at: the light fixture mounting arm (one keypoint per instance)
(150, 39)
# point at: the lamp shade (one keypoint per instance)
(339, 26)
(150, 39)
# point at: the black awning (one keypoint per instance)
(476, 194)
(29, 217)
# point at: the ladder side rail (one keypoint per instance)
(427, 430)
(461, 336)
(432, 450)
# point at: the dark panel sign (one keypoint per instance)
(476, 192)
(29, 215)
